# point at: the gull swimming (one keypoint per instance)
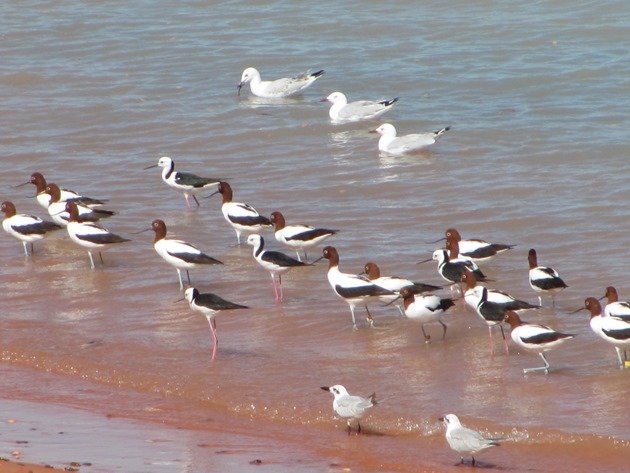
(392, 144)
(465, 440)
(279, 88)
(350, 407)
(342, 111)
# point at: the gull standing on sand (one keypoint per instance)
(188, 183)
(341, 111)
(391, 144)
(209, 305)
(350, 407)
(279, 88)
(465, 440)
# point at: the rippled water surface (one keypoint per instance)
(537, 97)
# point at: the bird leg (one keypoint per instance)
(354, 321)
(444, 327)
(280, 287)
(215, 339)
(358, 427)
(26, 248)
(100, 255)
(349, 428)
(618, 350)
(273, 284)
(91, 259)
(507, 350)
(427, 338)
(188, 276)
(181, 283)
(491, 340)
(369, 318)
(540, 368)
(195, 197)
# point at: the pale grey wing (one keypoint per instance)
(288, 86)
(361, 108)
(353, 406)
(467, 440)
(415, 141)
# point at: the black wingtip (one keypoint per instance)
(318, 73)
(387, 103)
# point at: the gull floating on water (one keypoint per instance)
(342, 111)
(465, 440)
(350, 407)
(392, 144)
(279, 88)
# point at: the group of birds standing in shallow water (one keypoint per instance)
(457, 262)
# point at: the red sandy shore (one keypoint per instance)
(7, 466)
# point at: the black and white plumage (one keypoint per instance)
(614, 307)
(425, 308)
(341, 111)
(535, 338)
(475, 249)
(464, 440)
(543, 279)
(88, 234)
(396, 145)
(273, 261)
(66, 195)
(279, 88)
(452, 271)
(395, 284)
(242, 217)
(298, 237)
(492, 313)
(613, 330)
(188, 183)
(209, 305)
(178, 253)
(26, 228)
(473, 293)
(350, 407)
(59, 214)
(351, 288)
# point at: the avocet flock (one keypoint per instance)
(457, 263)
